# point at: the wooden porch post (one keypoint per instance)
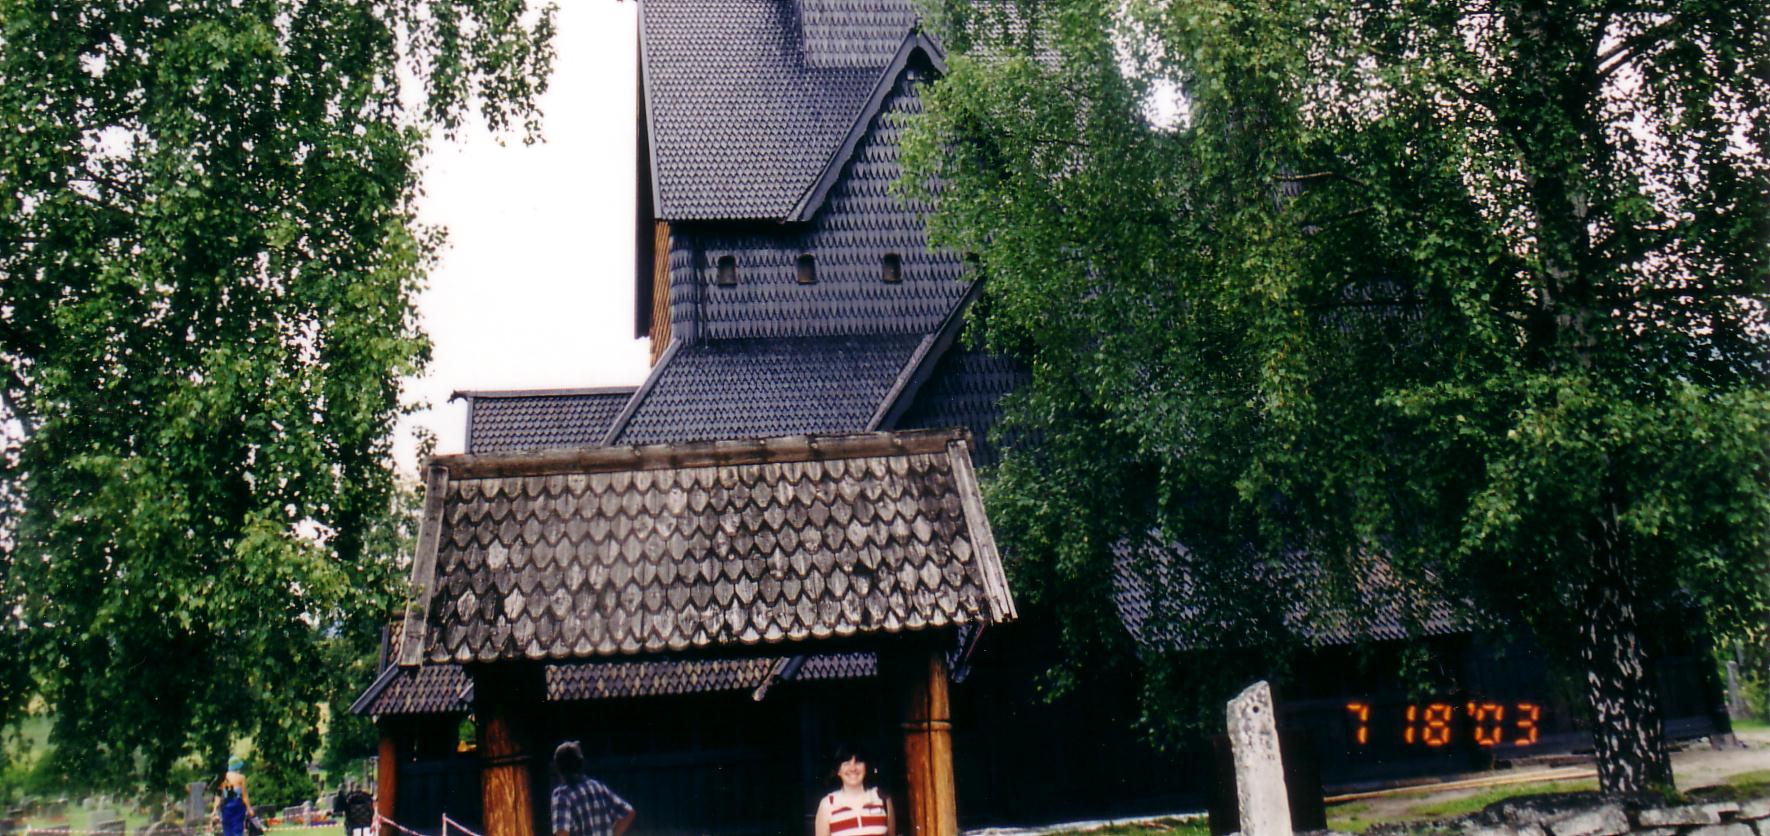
(386, 771)
(506, 700)
(928, 747)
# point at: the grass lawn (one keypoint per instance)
(1359, 816)
(135, 821)
(1754, 784)
(1178, 827)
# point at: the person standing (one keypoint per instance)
(857, 808)
(582, 806)
(355, 807)
(232, 804)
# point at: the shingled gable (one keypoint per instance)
(615, 552)
(916, 46)
(744, 105)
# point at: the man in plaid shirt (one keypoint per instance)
(582, 806)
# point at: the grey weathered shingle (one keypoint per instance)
(618, 551)
(500, 422)
(755, 388)
(742, 120)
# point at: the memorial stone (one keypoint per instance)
(103, 819)
(1259, 769)
(194, 807)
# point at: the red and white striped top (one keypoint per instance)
(869, 819)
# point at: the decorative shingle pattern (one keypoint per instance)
(839, 666)
(741, 123)
(755, 388)
(605, 680)
(853, 33)
(613, 680)
(1152, 595)
(431, 689)
(618, 551)
(445, 688)
(859, 223)
(500, 422)
(966, 391)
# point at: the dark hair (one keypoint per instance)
(846, 752)
(569, 759)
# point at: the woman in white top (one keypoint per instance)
(857, 808)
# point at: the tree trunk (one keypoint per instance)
(1629, 731)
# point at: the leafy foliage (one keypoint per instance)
(1463, 299)
(210, 256)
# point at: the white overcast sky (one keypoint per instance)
(535, 287)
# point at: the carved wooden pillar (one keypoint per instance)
(506, 700)
(928, 746)
(386, 770)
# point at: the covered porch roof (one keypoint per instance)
(702, 548)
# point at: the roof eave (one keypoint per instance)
(922, 364)
(472, 394)
(651, 380)
(651, 128)
(361, 705)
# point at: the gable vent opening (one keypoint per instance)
(807, 269)
(728, 271)
(892, 270)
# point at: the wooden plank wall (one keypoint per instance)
(660, 290)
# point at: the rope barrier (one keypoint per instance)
(448, 822)
(381, 819)
(396, 827)
(68, 831)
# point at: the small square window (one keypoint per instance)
(807, 269)
(892, 269)
(728, 271)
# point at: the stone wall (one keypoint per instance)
(1720, 818)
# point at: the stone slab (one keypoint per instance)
(1605, 820)
(1693, 814)
(1731, 829)
(1525, 830)
(1259, 768)
(1757, 808)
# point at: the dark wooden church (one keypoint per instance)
(787, 292)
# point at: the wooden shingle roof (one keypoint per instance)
(759, 388)
(447, 689)
(741, 122)
(610, 552)
(540, 419)
(1158, 605)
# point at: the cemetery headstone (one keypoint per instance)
(194, 806)
(1259, 769)
(1736, 706)
(103, 819)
